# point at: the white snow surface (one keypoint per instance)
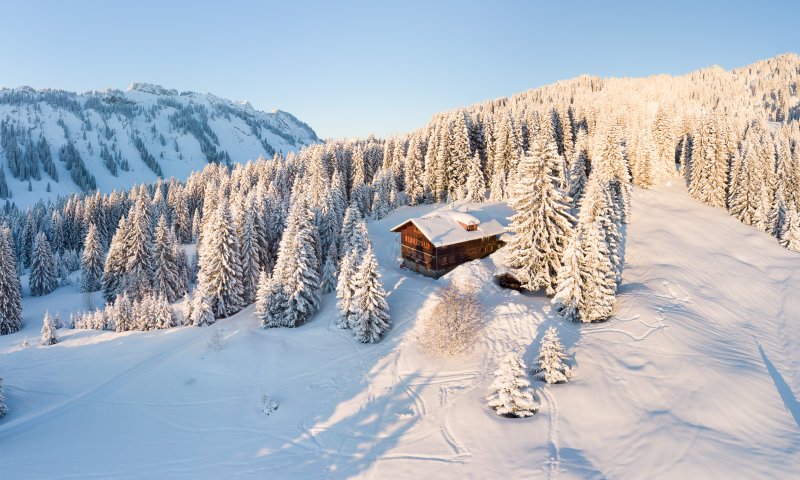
(226, 119)
(443, 225)
(697, 375)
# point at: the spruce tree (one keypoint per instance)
(552, 368)
(262, 295)
(791, 235)
(542, 224)
(220, 276)
(114, 269)
(92, 261)
(10, 290)
(48, 336)
(44, 276)
(512, 395)
(476, 185)
(293, 292)
(202, 309)
(371, 313)
(167, 275)
(597, 302)
(138, 276)
(569, 291)
(344, 288)
(328, 275)
(248, 250)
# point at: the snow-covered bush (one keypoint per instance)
(551, 367)
(215, 341)
(3, 406)
(454, 322)
(512, 395)
(268, 404)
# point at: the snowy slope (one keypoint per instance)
(696, 376)
(173, 126)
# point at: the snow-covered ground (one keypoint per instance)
(696, 376)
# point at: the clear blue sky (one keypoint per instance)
(354, 68)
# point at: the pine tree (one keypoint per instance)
(371, 313)
(167, 275)
(138, 276)
(599, 285)
(293, 292)
(10, 290)
(44, 276)
(262, 295)
(791, 236)
(48, 331)
(552, 368)
(513, 396)
(476, 185)
(344, 287)
(220, 276)
(92, 261)
(328, 282)
(202, 310)
(569, 292)
(542, 224)
(114, 269)
(248, 242)
(351, 218)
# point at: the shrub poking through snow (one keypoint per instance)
(454, 323)
(268, 404)
(512, 395)
(3, 407)
(552, 368)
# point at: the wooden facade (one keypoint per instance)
(420, 255)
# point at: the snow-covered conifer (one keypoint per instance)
(248, 243)
(92, 261)
(476, 185)
(202, 310)
(791, 235)
(114, 268)
(551, 367)
(512, 395)
(598, 298)
(43, 277)
(48, 336)
(167, 275)
(542, 224)
(138, 276)
(344, 287)
(370, 319)
(10, 291)
(220, 276)
(569, 291)
(294, 288)
(328, 281)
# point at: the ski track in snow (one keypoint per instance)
(690, 354)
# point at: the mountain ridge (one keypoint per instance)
(56, 142)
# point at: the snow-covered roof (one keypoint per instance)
(446, 226)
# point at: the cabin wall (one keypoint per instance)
(421, 256)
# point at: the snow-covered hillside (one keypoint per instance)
(127, 137)
(696, 376)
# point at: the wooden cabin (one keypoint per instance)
(439, 242)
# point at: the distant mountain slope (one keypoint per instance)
(115, 138)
